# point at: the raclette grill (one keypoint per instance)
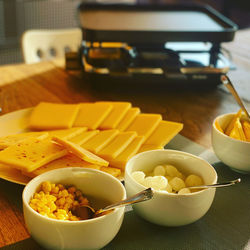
(171, 42)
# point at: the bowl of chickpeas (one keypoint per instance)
(50, 199)
(171, 174)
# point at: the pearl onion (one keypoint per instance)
(138, 176)
(159, 171)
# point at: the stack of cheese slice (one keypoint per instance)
(102, 135)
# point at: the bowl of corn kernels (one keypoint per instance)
(231, 140)
(171, 173)
(50, 199)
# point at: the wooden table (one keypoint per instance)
(23, 86)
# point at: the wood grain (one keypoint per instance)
(23, 86)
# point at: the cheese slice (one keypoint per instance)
(121, 160)
(230, 126)
(91, 115)
(9, 140)
(99, 141)
(145, 124)
(13, 175)
(81, 152)
(163, 133)
(117, 145)
(31, 154)
(117, 113)
(84, 137)
(48, 116)
(246, 129)
(147, 147)
(67, 133)
(116, 172)
(128, 118)
(68, 160)
(237, 131)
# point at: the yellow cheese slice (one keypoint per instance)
(121, 160)
(237, 131)
(31, 154)
(91, 115)
(83, 137)
(117, 113)
(163, 133)
(117, 145)
(99, 141)
(81, 152)
(230, 126)
(9, 140)
(147, 147)
(12, 174)
(145, 124)
(246, 129)
(116, 172)
(68, 160)
(48, 116)
(128, 118)
(67, 133)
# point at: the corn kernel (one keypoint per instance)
(46, 187)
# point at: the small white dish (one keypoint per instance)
(234, 153)
(170, 209)
(85, 234)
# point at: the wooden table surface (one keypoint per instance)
(23, 86)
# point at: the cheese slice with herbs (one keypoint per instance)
(145, 124)
(49, 116)
(99, 141)
(9, 140)
(121, 160)
(128, 118)
(117, 145)
(116, 115)
(31, 154)
(91, 115)
(81, 152)
(84, 137)
(67, 133)
(164, 132)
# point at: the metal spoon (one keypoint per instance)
(224, 184)
(226, 81)
(87, 212)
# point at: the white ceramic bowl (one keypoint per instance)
(170, 209)
(234, 153)
(86, 234)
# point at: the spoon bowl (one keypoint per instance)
(88, 212)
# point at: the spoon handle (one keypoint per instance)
(226, 81)
(224, 184)
(142, 196)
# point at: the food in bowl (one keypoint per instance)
(238, 127)
(165, 208)
(168, 178)
(232, 150)
(82, 234)
(56, 201)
